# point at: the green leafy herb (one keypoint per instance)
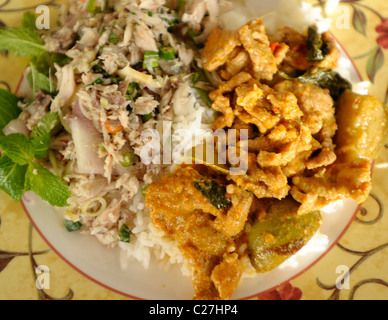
(147, 117)
(41, 135)
(315, 45)
(17, 147)
(324, 78)
(143, 190)
(47, 185)
(114, 38)
(133, 91)
(92, 7)
(24, 42)
(125, 234)
(41, 145)
(40, 81)
(9, 109)
(72, 225)
(12, 177)
(214, 192)
(97, 81)
(29, 20)
(19, 171)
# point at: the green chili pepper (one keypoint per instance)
(114, 38)
(128, 159)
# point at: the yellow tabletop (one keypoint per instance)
(362, 28)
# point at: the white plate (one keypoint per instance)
(102, 265)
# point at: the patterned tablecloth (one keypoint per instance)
(362, 27)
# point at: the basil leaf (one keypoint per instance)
(214, 192)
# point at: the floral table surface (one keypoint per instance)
(362, 28)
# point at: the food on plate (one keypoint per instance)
(284, 92)
(115, 103)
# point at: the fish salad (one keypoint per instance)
(113, 101)
(109, 72)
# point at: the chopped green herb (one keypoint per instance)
(143, 190)
(214, 192)
(128, 159)
(97, 81)
(72, 225)
(147, 117)
(125, 233)
(192, 34)
(133, 91)
(92, 7)
(167, 53)
(195, 77)
(114, 38)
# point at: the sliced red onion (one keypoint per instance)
(24, 89)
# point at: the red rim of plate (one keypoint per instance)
(246, 298)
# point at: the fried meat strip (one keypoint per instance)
(256, 43)
(218, 48)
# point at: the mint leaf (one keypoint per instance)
(22, 41)
(29, 20)
(41, 135)
(45, 125)
(12, 177)
(17, 147)
(41, 145)
(47, 185)
(9, 109)
(39, 80)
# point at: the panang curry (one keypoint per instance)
(311, 141)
